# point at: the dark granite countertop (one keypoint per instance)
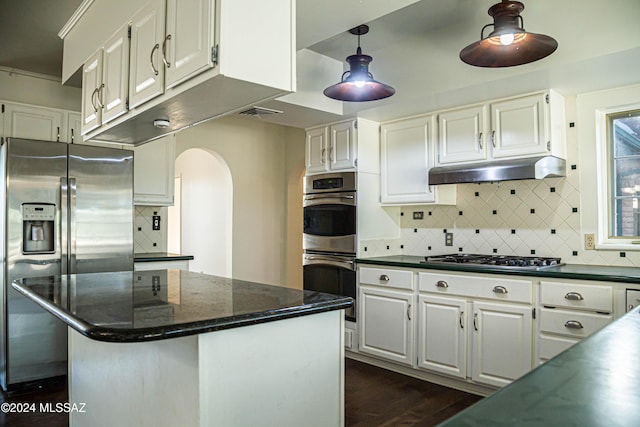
(160, 256)
(134, 306)
(567, 271)
(594, 383)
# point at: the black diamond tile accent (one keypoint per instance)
(477, 231)
(552, 189)
(553, 231)
(575, 253)
(623, 254)
(532, 211)
(495, 251)
(477, 194)
(513, 191)
(460, 213)
(513, 231)
(574, 210)
(495, 212)
(533, 251)
(574, 167)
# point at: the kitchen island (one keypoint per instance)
(171, 347)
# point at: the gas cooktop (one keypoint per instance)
(499, 261)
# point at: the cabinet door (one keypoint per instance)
(115, 72)
(501, 342)
(442, 337)
(153, 172)
(385, 322)
(190, 29)
(518, 126)
(342, 149)
(316, 150)
(74, 128)
(31, 122)
(406, 157)
(462, 135)
(146, 72)
(91, 81)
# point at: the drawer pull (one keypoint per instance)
(442, 284)
(573, 324)
(384, 278)
(574, 296)
(500, 290)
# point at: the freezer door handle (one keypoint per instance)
(72, 226)
(64, 220)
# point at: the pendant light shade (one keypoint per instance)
(357, 84)
(508, 44)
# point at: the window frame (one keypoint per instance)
(604, 158)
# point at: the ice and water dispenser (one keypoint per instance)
(37, 228)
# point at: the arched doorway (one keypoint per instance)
(204, 230)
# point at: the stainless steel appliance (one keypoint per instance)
(495, 261)
(330, 235)
(65, 209)
(329, 206)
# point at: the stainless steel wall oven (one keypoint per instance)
(329, 235)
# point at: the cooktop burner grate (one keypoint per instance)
(500, 261)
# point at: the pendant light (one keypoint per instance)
(357, 84)
(508, 44)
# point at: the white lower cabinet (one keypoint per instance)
(502, 337)
(442, 335)
(385, 321)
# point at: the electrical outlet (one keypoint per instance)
(155, 223)
(448, 239)
(418, 215)
(589, 241)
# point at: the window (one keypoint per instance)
(623, 144)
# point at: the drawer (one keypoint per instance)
(587, 297)
(400, 279)
(572, 323)
(552, 346)
(493, 288)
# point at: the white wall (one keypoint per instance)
(38, 89)
(260, 157)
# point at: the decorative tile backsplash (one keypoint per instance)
(530, 217)
(145, 239)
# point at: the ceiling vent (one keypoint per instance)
(259, 112)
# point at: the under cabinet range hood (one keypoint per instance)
(500, 170)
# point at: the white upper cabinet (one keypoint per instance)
(406, 155)
(153, 172)
(189, 39)
(32, 122)
(148, 43)
(344, 146)
(105, 82)
(525, 126)
(462, 135)
(315, 150)
(190, 61)
(518, 127)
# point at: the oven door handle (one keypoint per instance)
(326, 199)
(328, 260)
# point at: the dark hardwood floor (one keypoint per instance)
(374, 397)
(377, 397)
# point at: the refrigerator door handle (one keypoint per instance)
(64, 220)
(73, 268)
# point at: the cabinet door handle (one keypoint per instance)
(480, 141)
(58, 134)
(442, 284)
(324, 150)
(72, 135)
(574, 296)
(153, 67)
(500, 290)
(164, 51)
(93, 102)
(475, 321)
(409, 311)
(493, 138)
(99, 98)
(331, 154)
(573, 324)
(384, 278)
(461, 317)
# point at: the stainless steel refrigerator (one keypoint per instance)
(65, 209)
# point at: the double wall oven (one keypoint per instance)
(329, 235)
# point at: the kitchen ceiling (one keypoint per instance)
(415, 46)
